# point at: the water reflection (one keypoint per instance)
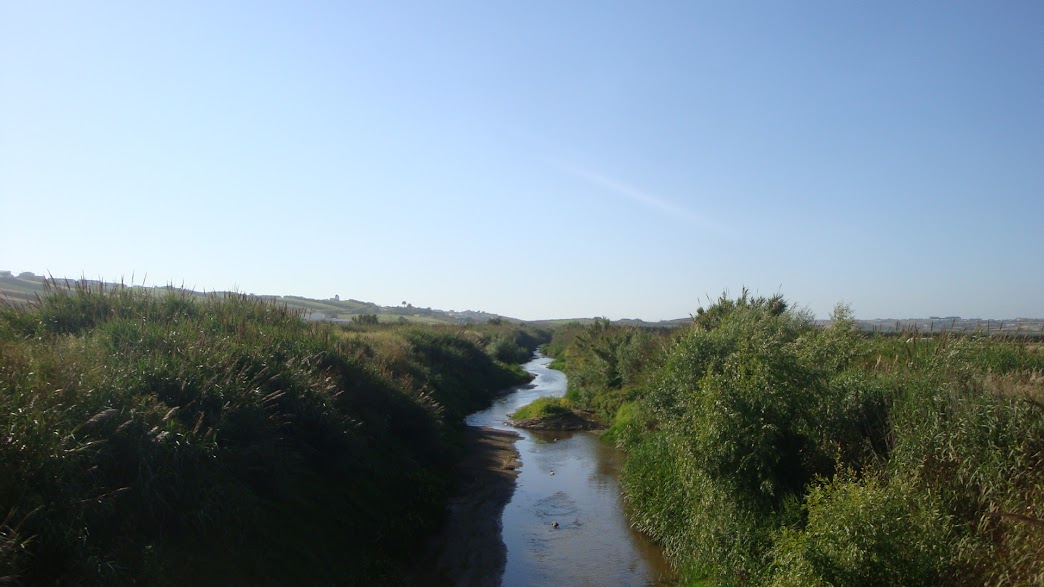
(570, 479)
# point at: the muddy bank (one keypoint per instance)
(469, 551)
(575, 420)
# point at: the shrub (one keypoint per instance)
(866, 533)
(741, 398)
(543, 407)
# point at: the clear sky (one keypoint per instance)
(538, 159)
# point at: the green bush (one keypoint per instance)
(745, 403)
(865, 533)
(544, 407)
(608, 366)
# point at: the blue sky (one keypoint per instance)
(536, 159)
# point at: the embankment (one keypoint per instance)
(167, 438)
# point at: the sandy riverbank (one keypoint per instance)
(469, 551)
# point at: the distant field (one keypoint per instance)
(18, 290)
(350, 306)
(304, 304)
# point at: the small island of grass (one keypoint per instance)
(553, 413)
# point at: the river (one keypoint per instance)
(570, 478)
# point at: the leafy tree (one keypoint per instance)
(368, 319)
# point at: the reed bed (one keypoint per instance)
(164, 437)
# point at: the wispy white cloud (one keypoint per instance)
(634, 194)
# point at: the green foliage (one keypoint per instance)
(661, 504)
(561, 339)
(609, 365)
(704, 530)
(978, 443)
(368, 319)
(865, 533)
(543, 407)
(158, 438)
(507, 349)
(628, 425)
(743, 432)
(747, 405)
(710, 318)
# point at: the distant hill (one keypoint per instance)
(622, 322)
(21, 288)
(25, 287)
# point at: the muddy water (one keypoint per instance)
(593, 543)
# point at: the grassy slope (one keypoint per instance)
(164, 438)
(20, 290)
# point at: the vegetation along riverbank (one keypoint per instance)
(553, 413)
(160, 438)
(764, 449)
